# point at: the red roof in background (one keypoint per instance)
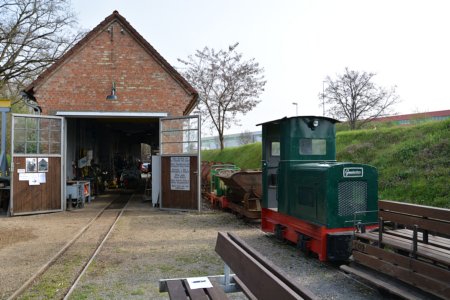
(152, 51)
(440, 113)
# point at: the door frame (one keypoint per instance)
(198, 155)
(61, 157)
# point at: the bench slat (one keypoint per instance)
(245, 289)
(427, 224)
(424, 250)
(195, 294)
(176, 289)
(381, 283)
(260, 281)
(432, 240)
(414, 209)
(297, 287)
(430, 285)
(404, 261)
(216, 293)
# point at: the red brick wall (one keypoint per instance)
(82, 82)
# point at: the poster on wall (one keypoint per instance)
(179, 173)
(42, 164)
(31, 164)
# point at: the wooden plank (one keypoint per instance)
(195, 294)
(425, 283)
(432, 239)
(415, 265)
(427, 224)
(297, 287)
(176, 289)
(245, 289)
(260, 281)
(425, 251)
(414, 209)
(216, 292)
(382, 284)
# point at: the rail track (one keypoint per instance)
(69, 257)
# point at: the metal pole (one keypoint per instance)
(3, 161)
(296, 108)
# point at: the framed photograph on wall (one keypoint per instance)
(31, 164)
(42, 164)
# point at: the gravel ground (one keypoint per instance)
(147, 245)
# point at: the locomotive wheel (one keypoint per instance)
(302, 244)
(278, 232)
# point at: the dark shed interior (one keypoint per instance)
(109, 151)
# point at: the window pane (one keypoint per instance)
(313, 147)
(31, 123)
(44, 148)
(55, 136)
(44, 124)
(19, 122)
(19, 135)
(19, 147)
(31, 148)
(55, 124)
(44, 136)
(275, 149)
(55, 148)
(31, 135)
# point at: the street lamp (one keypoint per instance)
(296, 108)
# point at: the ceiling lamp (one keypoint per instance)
(113, 95)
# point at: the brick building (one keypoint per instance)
(111, 90)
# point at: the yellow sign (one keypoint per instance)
(5, 103)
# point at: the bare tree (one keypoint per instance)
(245, 138)
(33, 34)
(227, 85)
(355, 98)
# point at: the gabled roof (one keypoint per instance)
(115, 16)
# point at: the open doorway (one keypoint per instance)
(111, 153)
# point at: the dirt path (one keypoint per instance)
(147, 245)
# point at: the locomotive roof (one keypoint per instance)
(301, 117)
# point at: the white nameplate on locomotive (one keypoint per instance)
(353, 172)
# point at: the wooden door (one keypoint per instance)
(36, 165)
(180, 163)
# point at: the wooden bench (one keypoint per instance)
(412, 244)
(255, 276)
(179, 289)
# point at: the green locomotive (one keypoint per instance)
(308, 197)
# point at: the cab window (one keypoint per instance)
(313, 147)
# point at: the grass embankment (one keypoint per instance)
(245, 157)
(413, 162)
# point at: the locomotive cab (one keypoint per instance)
(308, 197)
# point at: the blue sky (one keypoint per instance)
(299, 43)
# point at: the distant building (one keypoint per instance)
(416, 118)
(239, 139)
(231, 140)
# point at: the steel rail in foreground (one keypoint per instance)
(99, 247)
(64, 249)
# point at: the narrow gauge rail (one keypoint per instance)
(120, 203)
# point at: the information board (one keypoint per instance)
(179, 173)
